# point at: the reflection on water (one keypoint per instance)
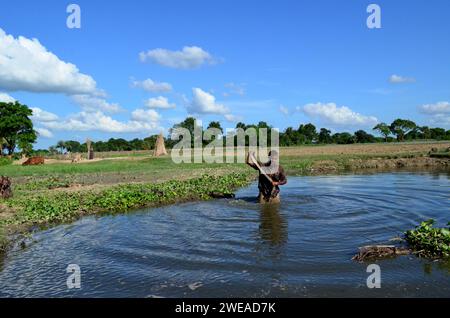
(239, 248)
(273, 227)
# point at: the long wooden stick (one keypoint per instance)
(260, 169)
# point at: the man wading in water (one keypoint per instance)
(271, 175)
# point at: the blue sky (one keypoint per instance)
(284, 62)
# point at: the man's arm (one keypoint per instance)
(250, 163)
(282, 178)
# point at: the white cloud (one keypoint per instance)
(151, 86)
(440, 119)
(188, 58)
(284, 110)
(5, 98)
(45, 133)
(159, 102)
(232, 118)
(97, 121)
(332, 114)
(26, 65)
(397, 79)
(40, 115)
(438, 108)
(439, 113)
(92, 104)
(237, 89)
(143, 116)
(205, 103)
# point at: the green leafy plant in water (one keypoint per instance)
(66, 206)
(429, 241)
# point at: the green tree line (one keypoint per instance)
(398, 131)
(17, 133)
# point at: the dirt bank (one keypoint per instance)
(332, 166)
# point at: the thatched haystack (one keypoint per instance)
(160, 147)
(90, 150)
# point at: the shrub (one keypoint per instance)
(428, 241)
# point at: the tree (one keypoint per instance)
(136, 144)
(325, 136)
(400, 127)
(424, 132)
(149, 142)
(16, 126)
(61, 145)
(189, 123)
(52, 150)
(215, 124)
(384, 130)
(3, 145)
(437, 133)
(343, 138)
(362, 137)
(72, 146)
(309, 131)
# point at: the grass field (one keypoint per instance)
(62, 191)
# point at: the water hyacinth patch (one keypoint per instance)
(428, 241)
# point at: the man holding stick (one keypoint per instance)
(271, 175)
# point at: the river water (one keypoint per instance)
(237, 248)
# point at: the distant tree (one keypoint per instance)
(72, 146)
(16, 127)
(119, 144)
(149, 142)
(61, 145)
(400, 127)
(383, 129)
(215, 124)
(189, 123)
(437, 133)
(52, 150)
(325, 136)
(425, 132)
(309, 131)
(136, 144)
(363, 137)
(99, 146)
(343, 138)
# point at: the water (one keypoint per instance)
(227, 248)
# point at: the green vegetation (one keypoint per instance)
(16, 128)
(427, 241)
(5, 161)
(43, 208)
(439, 153)
(305, 134)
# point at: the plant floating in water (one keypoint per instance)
(372, 252)
(423, 241)
(427, 241)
